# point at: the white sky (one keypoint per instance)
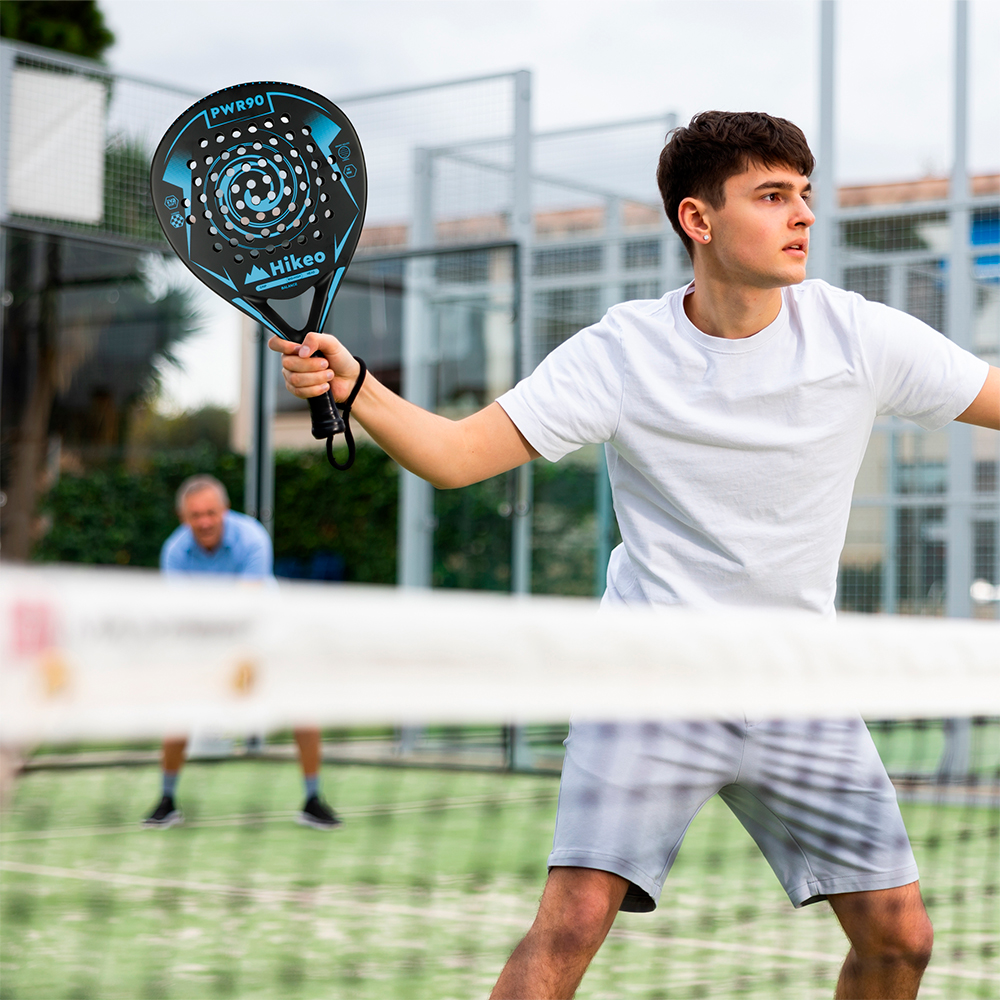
(596, 62)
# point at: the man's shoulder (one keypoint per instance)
(639, 309)
(178, 541)
(821, 301)
(247, 530)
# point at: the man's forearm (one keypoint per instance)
(448, 453)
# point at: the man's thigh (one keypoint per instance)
(816, 798)
(629, 793)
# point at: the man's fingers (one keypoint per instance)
(295, 363)
(300, 379)
(282, 346)
(313, 342)
(308, 368)
(306, 384)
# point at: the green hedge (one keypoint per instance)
(333, 525)
(319, 511)
(115, 515)
(119, 516)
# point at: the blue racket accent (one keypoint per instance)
(324, 131)
(257, 315)
(344, 185)
(224, 278)
(338, 247)
(332, 291)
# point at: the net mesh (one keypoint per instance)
(448, 812)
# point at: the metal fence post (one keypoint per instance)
(955, 760)
(959, 565)
(416, 496)
(522, 232)
(258, 477)
(519, 754)
(823, 239)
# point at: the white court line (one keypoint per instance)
(239, 819)
(452, 915)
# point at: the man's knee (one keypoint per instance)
(910, 942)
(889, 927)
(578, 907)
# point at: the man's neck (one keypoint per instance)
(733, 312)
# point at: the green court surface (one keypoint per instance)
(422, 893)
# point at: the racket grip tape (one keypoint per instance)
(326, 418)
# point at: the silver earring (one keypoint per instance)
(706, 237)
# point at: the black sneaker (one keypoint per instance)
(317, 814)
(164, 815)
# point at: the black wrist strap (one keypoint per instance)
(345, 412)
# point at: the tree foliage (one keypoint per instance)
(128, 202)
(73, 26)
(153, 432)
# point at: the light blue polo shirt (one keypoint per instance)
(245, 550)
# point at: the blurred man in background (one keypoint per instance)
(214, 539)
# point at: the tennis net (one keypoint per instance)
(442, 716)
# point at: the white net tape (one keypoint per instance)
(119, 653)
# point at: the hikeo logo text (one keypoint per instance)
(288, 265)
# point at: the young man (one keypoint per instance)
(735, 412)
(214, 539)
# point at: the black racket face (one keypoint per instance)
(261, 190)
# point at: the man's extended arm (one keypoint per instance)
(448, 453)
(985, 408)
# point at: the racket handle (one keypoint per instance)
(326, 418)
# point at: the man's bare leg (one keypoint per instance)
(891, 938)
(309, 744)
(578, 907)
(172, 755)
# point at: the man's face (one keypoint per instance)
(760, 236)
(204, 512)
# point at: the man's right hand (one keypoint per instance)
(306, 375)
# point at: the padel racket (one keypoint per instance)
(261, 191)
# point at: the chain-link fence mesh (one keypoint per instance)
(442, 165)
(79, 143)
(921, 497)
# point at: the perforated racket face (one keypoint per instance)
(261, 190)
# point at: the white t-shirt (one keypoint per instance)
(732, 462)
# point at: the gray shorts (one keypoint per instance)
(813, 794)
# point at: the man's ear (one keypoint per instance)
(691, 214)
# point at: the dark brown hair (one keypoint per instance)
(698, 159)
